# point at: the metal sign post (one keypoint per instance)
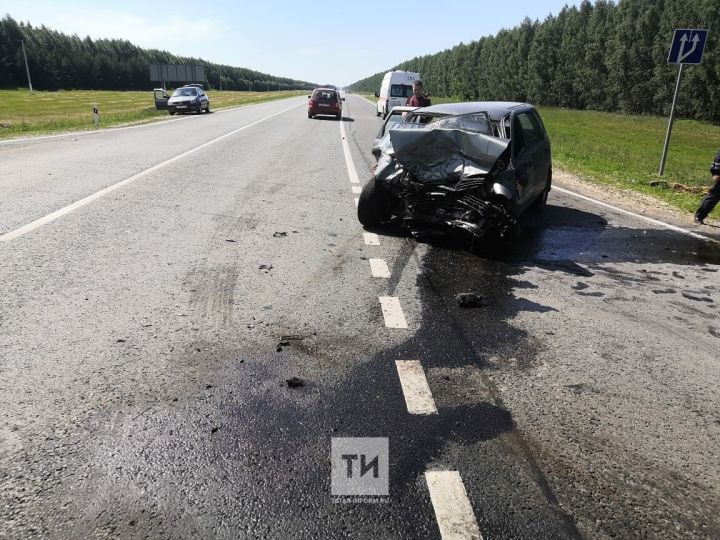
(687, 47)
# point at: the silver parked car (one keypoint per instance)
(472, 167)
(188, 98)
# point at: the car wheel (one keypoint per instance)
(310, 115)
(338, 116)
(385, 113)
(375, 204)
(540, 203)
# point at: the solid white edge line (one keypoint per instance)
(371, 239)
(416, 390)
(135, 126)
(453, 511)
(392, 312)
(90, 198)
(379, 268)
(352, 172)
(356, 190)
(638, 216)
(357, 201)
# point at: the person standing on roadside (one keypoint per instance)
(418, 99)
(713, 194)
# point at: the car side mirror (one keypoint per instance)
(377, 94)
(309, 97)
(343, 99)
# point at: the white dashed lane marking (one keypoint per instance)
(392, 312)
(453, 512)
(356, 201)
(379, 268)
(357, 190)
(416, 390)
(371, 239)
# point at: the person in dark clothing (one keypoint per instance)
(713, 194)
(418, 99)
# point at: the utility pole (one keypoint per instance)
(27, 68)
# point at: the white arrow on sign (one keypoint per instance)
(683, 41)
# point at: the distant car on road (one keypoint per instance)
(188, 98)
(325, 101)
(468, 167)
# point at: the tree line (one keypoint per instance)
(602, 56)
(60, 61)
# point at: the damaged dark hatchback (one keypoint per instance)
(469, 167)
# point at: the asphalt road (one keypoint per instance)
(144, 349)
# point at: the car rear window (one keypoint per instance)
(401, 90)
(324, 94)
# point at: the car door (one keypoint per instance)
(527, 156)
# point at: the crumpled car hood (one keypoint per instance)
(439, 155)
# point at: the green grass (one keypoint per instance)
(624, 151)
(23, 113)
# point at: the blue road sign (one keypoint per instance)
(687, 46)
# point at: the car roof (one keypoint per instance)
(326, 88)
(403, 108)
(496, 109)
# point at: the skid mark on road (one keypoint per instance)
(213, 294)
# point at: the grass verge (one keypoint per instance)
(23, 113)
(624, 151)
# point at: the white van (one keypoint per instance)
(395, 89)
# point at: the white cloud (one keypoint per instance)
(172, 33)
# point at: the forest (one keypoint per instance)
(60, 61)
(602, 56)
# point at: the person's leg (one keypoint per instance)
(709, 201)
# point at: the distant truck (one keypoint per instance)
(396, 87)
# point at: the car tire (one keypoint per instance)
(539, 204)
(311, 115)
(375, 204)
(385, 113)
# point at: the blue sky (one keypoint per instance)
(334, 42)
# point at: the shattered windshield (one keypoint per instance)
(186, 92)
(478, 122)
